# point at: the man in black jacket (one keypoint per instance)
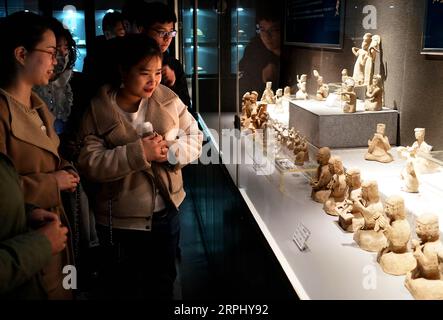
(158, 21)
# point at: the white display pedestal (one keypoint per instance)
(325, 126)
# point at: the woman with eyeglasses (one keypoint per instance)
(57, 94)
(28, 56)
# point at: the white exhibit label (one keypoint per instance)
(301, 235)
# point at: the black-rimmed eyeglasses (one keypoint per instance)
(166, 34)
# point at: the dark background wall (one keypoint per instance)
(413, 82)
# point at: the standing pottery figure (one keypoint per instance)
(349, 97)
(374, 95)
(374, 47)
(337, 185)
(349, 218)
(268, 94)
(301, 85)
(362, 55)
(421, 164)
(395, 258)
(426, 280)
(322, 89)
(344, 77)
(287, 91)
(379, 146)
(320, 190)
(370, 237)
(278, 100)
(409, 177)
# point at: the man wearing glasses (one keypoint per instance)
(158, 21)
(261, 59)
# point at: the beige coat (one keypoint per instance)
(112, 156)
(35, 156)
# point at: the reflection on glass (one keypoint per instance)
(99, 14)
(81, 53)
(74, 20)
(18, 5)
(207, 38)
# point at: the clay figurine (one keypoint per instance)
(337, 185)
(362, 55)
(348, 97)
(379, 146)
(350, 218)
(278, 100)
(370, 237)
(373, 48)
(268, 94)
(409, 177)
(287, 91)
(301, 85)
(421, 164)
(426, 280)
(395, 258)
(320, 190)
(374, 95)
(322, 89)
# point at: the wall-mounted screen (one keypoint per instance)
(314, 23)
(433, 28)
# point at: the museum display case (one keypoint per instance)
(362, 90)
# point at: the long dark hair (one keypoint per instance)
(60, 31)
(19, 29)
(130, 50)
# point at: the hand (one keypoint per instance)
(56, 234)
(155, 148)
(415, 244)
(358, 205)
(41, 217)
(382, 223)
(66, 181)
(75, 174)
(168, 76)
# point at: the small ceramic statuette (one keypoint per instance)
(349, 218)
(268, 94)
(287, 91)
(348, 97)
(337, 185)
(320, 190)
(373, 48)
(370, 237)
(301, 85)
(409, 177)
(379, 146)
(374, 95)
(395, 258)
(426, 280)
(322, 89)
(362, 55)
(421, 164)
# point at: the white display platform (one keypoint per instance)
(330, 126)
(332, 266)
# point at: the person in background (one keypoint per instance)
(58, 94)
(261, 60)
(113, 25)
(137, 135)
(24, 252)
(158, 21)
(28, 56)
